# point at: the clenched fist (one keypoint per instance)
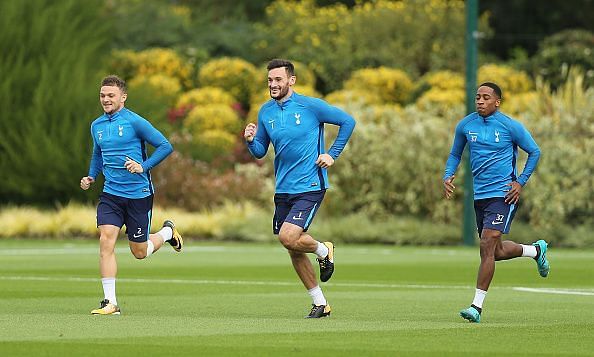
(250, 132)
(86, 182)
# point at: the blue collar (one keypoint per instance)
(114, 116)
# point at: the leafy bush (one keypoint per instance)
(389, 85)
(560, 191)
(393, 165)
(194, 185)
(236, 76)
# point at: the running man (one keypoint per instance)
(119, 152)
(294, 124)
(493, 139)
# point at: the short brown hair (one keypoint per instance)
(279, 63)
(115, 81)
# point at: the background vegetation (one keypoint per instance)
(196, 69)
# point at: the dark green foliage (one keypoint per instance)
(143, 24)
(562, 51)
(50, 55)
(522, 24)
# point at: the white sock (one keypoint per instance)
(317, 296)
(166, 233)
(150, 248)
(321, 251)
(479, 297)
(528, 251)
(109, 289)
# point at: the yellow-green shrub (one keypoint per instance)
(511, 81)
(164, 86)
(358, 96)
(444, 80)
(211, 117)
(388, 84)
(72, 219)
(162, 61)
(438, 99)
(235, 75)
(205, 96)
(123, 63)
(305, 76)
(518, 103)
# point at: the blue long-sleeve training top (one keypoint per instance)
(295, 128)
(493, 144)
(121, 135)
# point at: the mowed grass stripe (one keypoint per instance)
(584, 292)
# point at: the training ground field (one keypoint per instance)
(245, 299)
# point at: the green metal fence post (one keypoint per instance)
(468, 229)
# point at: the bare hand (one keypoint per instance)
(86, 182)
(325, 161)
(132, 166)
(449, 187)
(513, 194)
(250, 132)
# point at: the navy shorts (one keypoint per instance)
(494, 213)
(135, 213)
(298, 208)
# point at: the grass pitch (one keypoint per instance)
(245, 299)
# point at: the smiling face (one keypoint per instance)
(486, 101)
(279, 83)
(112, 99)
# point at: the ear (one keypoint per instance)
(292, 80)
(124, 97)
(497, 103)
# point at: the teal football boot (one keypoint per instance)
(542, 262)
(471, 314)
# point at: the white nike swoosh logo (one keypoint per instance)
(493, 222)
(138, 236)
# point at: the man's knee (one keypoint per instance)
(138, 252)
(288, 239)
(489, 242)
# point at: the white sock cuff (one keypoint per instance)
(528, 251)
(479, 297)
(109, 289)
(150, 248)
(321, 250)
(166, 233)
(317, 296)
